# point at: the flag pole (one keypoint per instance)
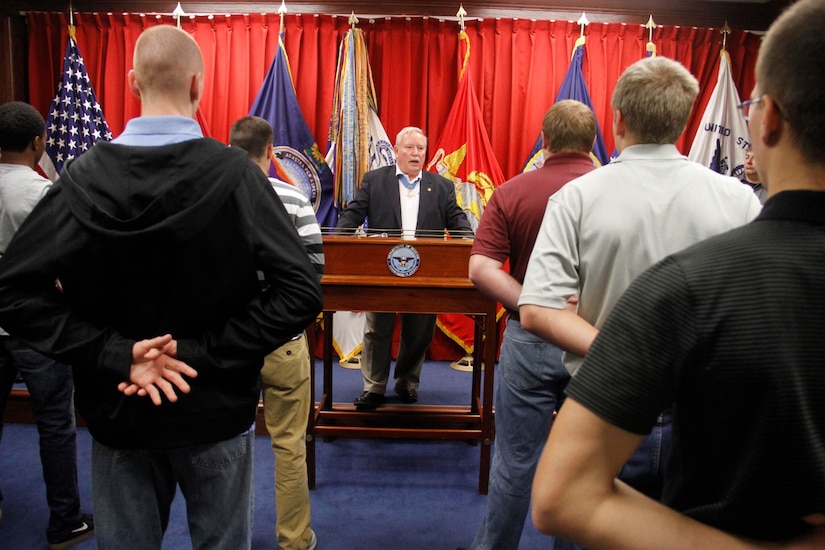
(178, 13)
(650, 46)
(582, 22)
(72, 29)
(725, 32)
(461, 14)
(282, 13)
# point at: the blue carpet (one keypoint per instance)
(370, 494)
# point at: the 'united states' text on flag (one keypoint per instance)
(722, 138)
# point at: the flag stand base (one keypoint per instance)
(465, 364)
(353, 362)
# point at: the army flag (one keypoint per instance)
(296, 157)
(357, 143)
(722, 138)
(357, 139)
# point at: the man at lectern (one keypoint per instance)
(401, 201)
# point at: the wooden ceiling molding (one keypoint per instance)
(739, 14)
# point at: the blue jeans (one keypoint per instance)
(132, 490)
(644, 470)
(51, 396)
(529, 387)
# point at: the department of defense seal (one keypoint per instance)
(403, 260)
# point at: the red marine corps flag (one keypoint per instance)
(464, 156)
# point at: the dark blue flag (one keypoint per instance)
(297, 159)
(75, 120)
(573, 87)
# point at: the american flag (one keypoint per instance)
(75, 121)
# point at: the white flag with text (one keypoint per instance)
(722, 137)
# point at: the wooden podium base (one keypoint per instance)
(357, 277)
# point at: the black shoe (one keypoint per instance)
(72, 534)
(407, 396)
(368, 400)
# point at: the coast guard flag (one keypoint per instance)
(463, 155)
(75, 120)
(357, 139)
(722, 137)
(572, 87)
(297, 159)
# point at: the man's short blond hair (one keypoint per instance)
(655, 96)
(569, 127)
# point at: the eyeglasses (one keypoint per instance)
(745, 107)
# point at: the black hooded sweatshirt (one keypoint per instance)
(146, 241)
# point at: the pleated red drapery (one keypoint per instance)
(517, 67)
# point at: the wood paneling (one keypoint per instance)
(13, 83)
(750, 15)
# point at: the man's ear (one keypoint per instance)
(772, 124)
(196, 88)
(131, 82)
(38, 143)
(619, 127)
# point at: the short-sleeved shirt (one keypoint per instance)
(603, 229)
(511, 219)
(729, 333)
(21, 188)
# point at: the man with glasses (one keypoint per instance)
(728, 333)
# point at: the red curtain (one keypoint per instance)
(517, 67)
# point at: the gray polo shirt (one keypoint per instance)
(603, 229)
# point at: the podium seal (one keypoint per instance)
(403, 260)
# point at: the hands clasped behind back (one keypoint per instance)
(155, 369)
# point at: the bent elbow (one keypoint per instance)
(545, 513)
(475, 271)
(527, 318)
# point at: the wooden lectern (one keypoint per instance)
(424, 275)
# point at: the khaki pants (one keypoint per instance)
(287, 401)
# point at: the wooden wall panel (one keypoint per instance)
(13, 82)
(740, 14)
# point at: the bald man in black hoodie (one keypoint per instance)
(157, 240)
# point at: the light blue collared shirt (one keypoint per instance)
(409, 184)
(159, 130)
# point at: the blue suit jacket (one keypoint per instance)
(378, 201)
